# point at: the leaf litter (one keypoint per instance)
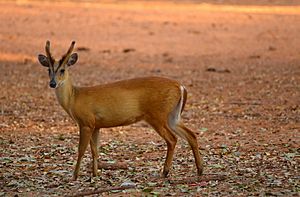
(246, 120)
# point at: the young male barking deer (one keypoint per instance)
(156, 100)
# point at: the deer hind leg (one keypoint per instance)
(191, 138)
(171, 141)
(94, 148)
(177, 127)
(84, 138)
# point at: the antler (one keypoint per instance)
(67, 55)
(47, 48)
(71, 48)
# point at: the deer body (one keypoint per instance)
(156, 100)
(120, 103)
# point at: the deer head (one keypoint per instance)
(58, 70)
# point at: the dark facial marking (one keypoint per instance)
(62, 72)
(60, 64)
(51, 72)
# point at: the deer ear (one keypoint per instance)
(43, 60)
(72, 59)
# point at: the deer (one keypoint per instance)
(158, 101)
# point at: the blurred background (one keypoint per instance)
(240, 61)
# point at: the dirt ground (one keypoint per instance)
(239, 61)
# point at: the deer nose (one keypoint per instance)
(52, 84)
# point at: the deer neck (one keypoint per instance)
(64, 93)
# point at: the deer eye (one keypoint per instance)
(62, 71)
(49, 71)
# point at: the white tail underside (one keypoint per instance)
(175, 115)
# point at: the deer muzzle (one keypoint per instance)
(52, 83)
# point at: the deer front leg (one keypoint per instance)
(84, 138)
(94, 148)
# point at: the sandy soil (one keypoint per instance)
(239, 61)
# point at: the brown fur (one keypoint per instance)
(152, 99)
